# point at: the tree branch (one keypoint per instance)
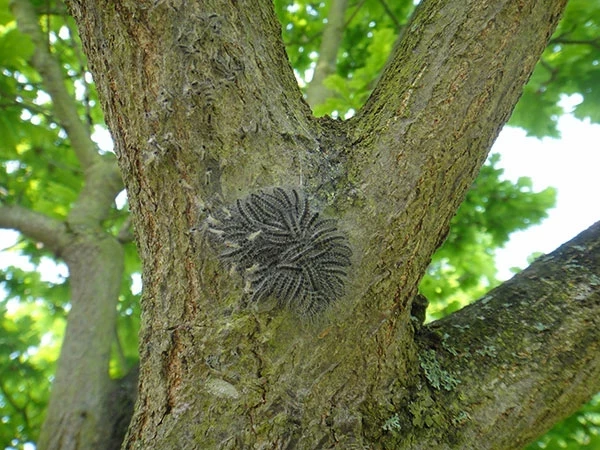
(31, 108)
(317, 93)
(103, 180)
(528, 353)
(391, 15)
(125, 233)
(103, 183)
(45, 63)
(52, 233)
(591, 42)
(451, 83)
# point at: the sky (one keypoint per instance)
(569, 164)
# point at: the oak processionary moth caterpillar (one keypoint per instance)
(284, 250)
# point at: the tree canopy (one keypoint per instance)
(47, 128)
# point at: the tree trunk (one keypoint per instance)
(78, 415)
(75, 422)
(204, 109)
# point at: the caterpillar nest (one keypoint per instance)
(284, 250)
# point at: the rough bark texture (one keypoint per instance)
(204, 108)
(527, 351)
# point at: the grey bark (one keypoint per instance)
(528, 347)
(204, 108)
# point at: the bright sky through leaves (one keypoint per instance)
(571, 165)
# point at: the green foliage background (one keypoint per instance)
(38, 170)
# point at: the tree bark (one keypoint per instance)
(526, 353)
(204, 108)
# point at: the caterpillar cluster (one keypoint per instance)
(284, 250)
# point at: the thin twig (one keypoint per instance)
(391, 15)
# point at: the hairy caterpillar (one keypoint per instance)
(284, 249)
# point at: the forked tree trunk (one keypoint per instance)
(204, 109)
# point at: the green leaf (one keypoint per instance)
(15, 48)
